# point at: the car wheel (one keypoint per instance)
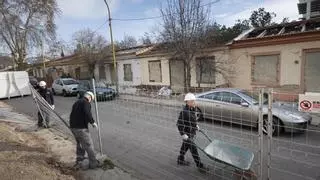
(276, 126)
(64, 93)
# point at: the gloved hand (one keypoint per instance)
(94, 125)
(52, 107)
(198, 128)
(185, 137)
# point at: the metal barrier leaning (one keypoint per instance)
(293, 141)
(148, 120)
(46, 112)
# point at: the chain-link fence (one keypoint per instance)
(140, 122)
(48, 115)
(152, 114)
(295, 153)
(261, 122)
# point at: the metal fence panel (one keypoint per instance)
(47, 113)
(153, 112)
(295, 153)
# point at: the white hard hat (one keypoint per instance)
(190, 97)
(89, 93)
(42, 83)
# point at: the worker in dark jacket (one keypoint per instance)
(187, 126)
(47, 95)
(80, 117)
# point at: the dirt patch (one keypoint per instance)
(13, 146)
(26, 156)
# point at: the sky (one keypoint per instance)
(77, 15)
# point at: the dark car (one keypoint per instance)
(33, 81)
(102, 91)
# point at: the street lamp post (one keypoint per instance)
(113, 49)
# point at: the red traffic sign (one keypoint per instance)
(305, 105)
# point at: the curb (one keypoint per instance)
(156, 103)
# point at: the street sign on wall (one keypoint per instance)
(309, 102)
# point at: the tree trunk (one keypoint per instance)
(187, 77)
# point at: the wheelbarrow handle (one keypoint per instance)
(195, 141)
(205, 135)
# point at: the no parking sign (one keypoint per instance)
(309, 102)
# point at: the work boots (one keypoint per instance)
(202, 168)
(182, 162)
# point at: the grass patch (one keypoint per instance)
(107, 164)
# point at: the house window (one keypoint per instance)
(127, 72)
(265, 69)
(155, 71)
(206, 70)
(311, 72)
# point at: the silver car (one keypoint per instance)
(242, 107)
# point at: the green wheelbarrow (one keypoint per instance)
(237, 158)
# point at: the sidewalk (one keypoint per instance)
(176, 102)
(29, 153)
(162, 101)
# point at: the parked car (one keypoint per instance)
(33, 81)
(102, 91)
(242, 107)
(65, 86)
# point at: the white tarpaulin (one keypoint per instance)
(309, 102)
(14, 83)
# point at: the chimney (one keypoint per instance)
(309, 8)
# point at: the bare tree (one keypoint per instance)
(92, 47)
(58, 48)
(127, 42)
(146, 39)
(26, 24)
(185, 24)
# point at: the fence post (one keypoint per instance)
(97, 114)
(270, 128)
(260, 131)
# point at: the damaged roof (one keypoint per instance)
(304, 28)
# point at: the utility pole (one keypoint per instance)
(113, 49)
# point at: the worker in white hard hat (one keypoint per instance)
(47, 96)
(187, 126)
(80, 117)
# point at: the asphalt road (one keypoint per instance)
(143, 139)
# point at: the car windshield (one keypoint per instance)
(100, 85)
(69, 82)
(251, 96)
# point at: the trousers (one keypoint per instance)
(189, 145)
(45, 119)
(85, 144)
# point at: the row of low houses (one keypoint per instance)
(285, 57)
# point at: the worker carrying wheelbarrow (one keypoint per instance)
(187, 126)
